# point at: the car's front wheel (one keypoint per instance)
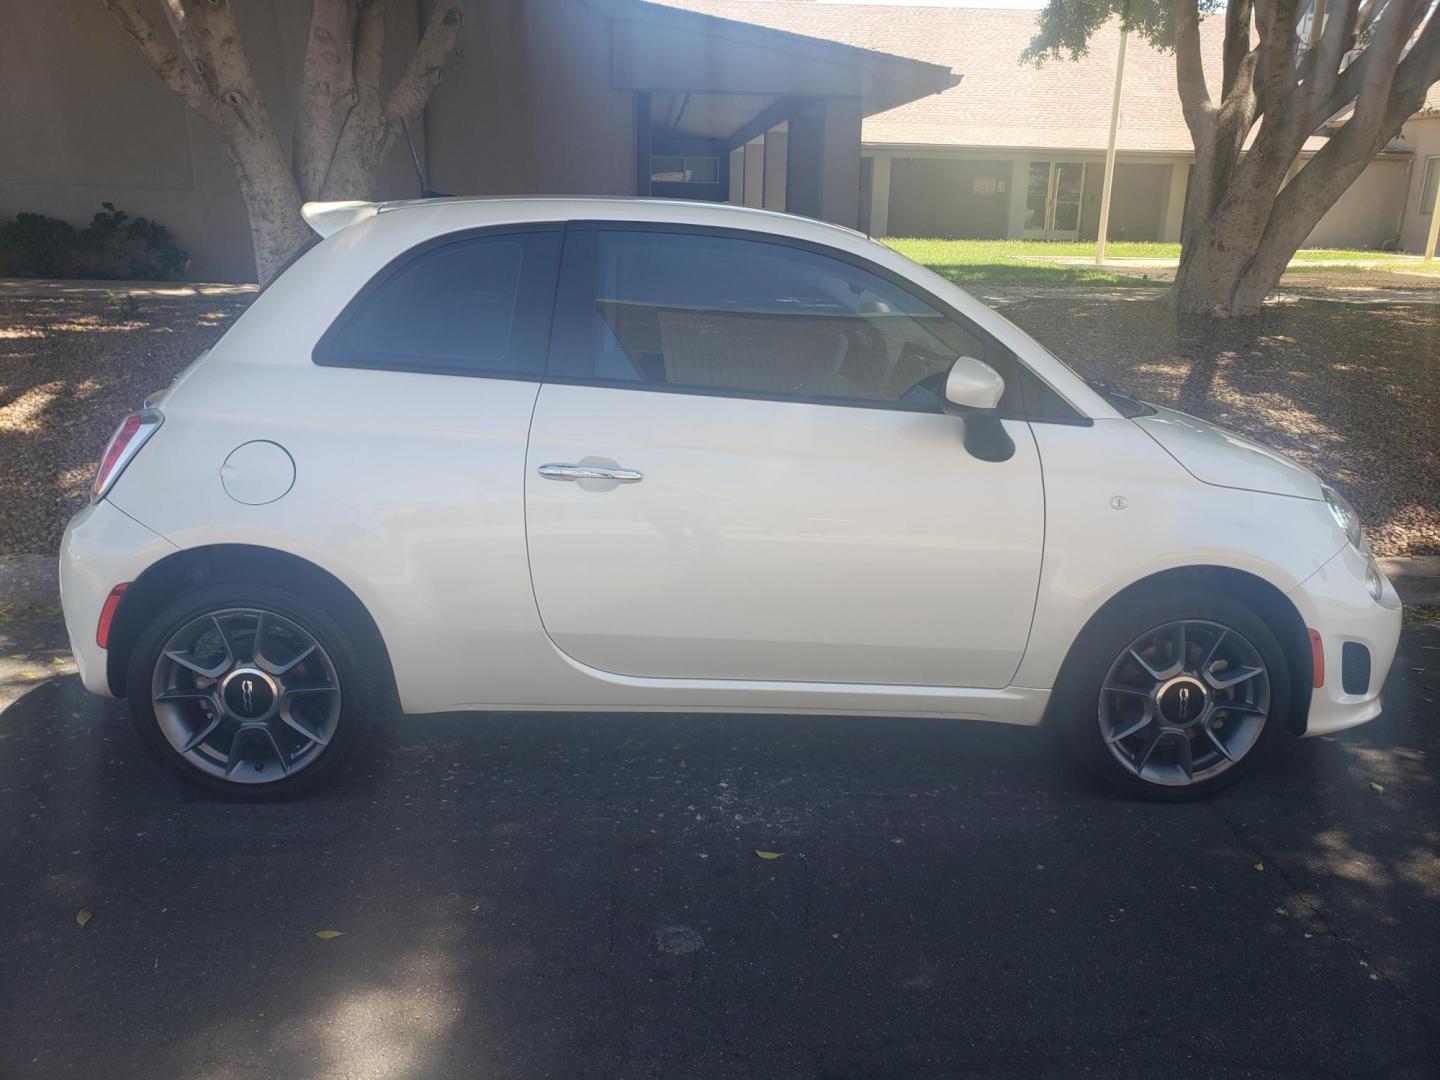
(248, 691)
(1172, 697)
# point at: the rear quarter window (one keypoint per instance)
(478, 304)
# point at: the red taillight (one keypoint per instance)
(1317, 659)
(107, 615)
(124, 445)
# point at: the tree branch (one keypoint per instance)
(209, 35)
(370, 46)
(1335, 166)
(1237, 43)
(327, 90)
(442, 35)
(1190, 71)
(173, 70)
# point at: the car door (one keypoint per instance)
(738, 468)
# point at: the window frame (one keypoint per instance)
(571, 359)
(329, 353)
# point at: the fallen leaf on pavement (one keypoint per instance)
(769, 854)
(82, 917)
(326, 935)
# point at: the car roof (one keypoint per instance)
(447, 212)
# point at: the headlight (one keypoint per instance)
(1374, 583)
(1348, 520)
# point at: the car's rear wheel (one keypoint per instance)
(248, 691)
(1175, 696)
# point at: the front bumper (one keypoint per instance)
(1334, 603)
(103, 547)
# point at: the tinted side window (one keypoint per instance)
(477, 305)
(768, 320)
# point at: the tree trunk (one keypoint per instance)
(272, 201)
(344, 128)
(1248, 212)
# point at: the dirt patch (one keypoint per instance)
(1308, 277)
(1351, 392)
(69, 370)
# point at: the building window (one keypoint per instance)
(675, 169)
(1427, 191)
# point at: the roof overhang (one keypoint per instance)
(660, 48)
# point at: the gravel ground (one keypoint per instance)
(69, 370)
(1352, 391)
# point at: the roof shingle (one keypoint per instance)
(1000, 102)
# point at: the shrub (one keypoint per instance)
(33, 245)
(113, 245)
(122, 306)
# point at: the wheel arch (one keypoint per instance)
(1263, 597)
(211, 564)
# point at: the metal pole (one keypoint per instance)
(1110, 150)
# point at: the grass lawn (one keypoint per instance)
(1016, 262)
(1002, 262)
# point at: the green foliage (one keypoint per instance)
(1067, 25)
(123, 306)
(33, 245)
(113, 245)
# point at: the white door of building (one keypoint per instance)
(1052, 200)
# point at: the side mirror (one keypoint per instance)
(972, 391)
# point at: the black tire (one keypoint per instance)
(1075, 709)
(358, 698)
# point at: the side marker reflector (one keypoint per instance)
(107, 615)
(1317, 659)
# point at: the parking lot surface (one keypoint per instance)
(704, 896)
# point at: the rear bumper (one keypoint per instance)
(103, 547)
(1334, 603)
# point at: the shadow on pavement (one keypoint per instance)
(558, 895)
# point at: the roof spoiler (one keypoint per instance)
(328, 218)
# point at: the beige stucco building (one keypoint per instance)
(1016, 150)
(899, 120)
(606, 97)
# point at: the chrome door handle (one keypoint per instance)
(590, 472)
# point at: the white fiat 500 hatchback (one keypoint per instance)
(636, 455)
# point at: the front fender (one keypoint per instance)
(1109, 528)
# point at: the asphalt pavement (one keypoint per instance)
(586, 896)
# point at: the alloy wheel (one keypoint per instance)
(1184, 702)
(246, 695)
